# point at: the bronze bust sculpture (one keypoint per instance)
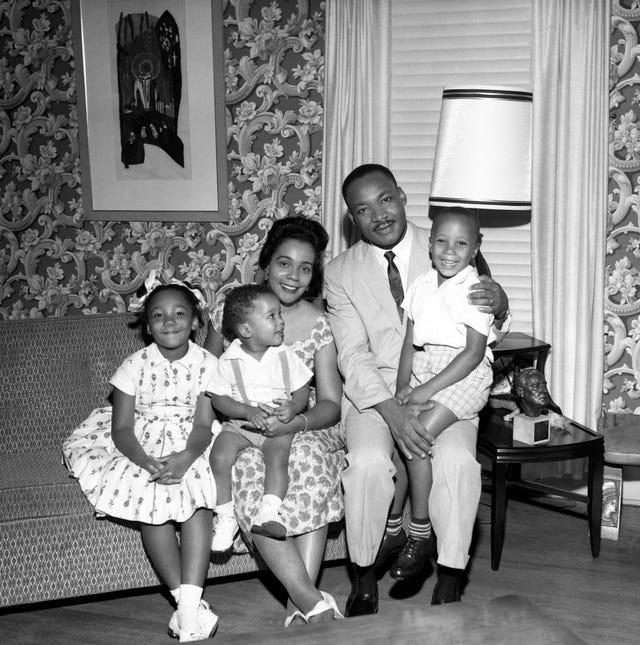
(532, 395)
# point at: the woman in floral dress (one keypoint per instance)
(291, 260)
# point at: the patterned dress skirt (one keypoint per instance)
(314, 495)
(116, 487)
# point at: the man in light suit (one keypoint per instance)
(369, 332)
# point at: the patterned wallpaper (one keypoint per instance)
(622, 280)
(52, 262)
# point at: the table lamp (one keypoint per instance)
(483, 153)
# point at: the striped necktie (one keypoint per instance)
(394, 281)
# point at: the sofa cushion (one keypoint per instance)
(55, 371)
(37, 484)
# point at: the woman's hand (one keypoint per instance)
(277, 428)
(260, 417)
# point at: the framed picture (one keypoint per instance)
(151, 109)
(611, 502)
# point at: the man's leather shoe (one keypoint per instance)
(389, 549)
(361, 604)
(414, 558)
(448, 588)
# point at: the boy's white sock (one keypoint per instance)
(268, 510)
(225, 509)
(188, 604)
(273, 501)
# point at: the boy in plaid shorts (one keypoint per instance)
(453, 371)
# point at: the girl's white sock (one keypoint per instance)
(188, 604)
(175, 593)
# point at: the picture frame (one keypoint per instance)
(151, 114)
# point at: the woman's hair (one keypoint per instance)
(143, 314)
(303, 229)
(238, 304)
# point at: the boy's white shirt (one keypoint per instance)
(440, 314)
(263, 379)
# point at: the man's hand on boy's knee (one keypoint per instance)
(408, 433)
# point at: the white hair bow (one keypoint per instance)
(153, 282)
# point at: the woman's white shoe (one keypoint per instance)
(296, 614)
(327, 603)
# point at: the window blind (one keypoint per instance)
(438, 43)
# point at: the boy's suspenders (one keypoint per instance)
(286, 376)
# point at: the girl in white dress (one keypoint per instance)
(146, 459)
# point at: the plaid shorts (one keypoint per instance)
(466, 397)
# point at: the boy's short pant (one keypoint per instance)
(254, 437)
(466, 397)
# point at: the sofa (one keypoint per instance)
(54, 372)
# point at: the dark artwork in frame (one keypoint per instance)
(151, 114)
(149, 85)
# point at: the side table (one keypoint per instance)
(523, 349)
(495, 441)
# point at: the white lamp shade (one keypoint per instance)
(483, 151)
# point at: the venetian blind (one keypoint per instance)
(438, 43)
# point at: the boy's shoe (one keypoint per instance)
(207, 625)
(414, 558)
(390, 548)
(268, 522)
(224, 534)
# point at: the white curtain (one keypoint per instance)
(570, 117)
(357, 100)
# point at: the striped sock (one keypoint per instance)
(394, 524)
(420, 529)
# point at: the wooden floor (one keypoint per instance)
(546, 559)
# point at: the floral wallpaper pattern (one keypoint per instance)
(52, 262)
(622, 280)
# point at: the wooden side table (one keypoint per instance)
(515, 351)
(523, 350)
(495, 441)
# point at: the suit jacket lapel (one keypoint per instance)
(419, 261)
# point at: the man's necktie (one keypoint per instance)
(394, 281)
